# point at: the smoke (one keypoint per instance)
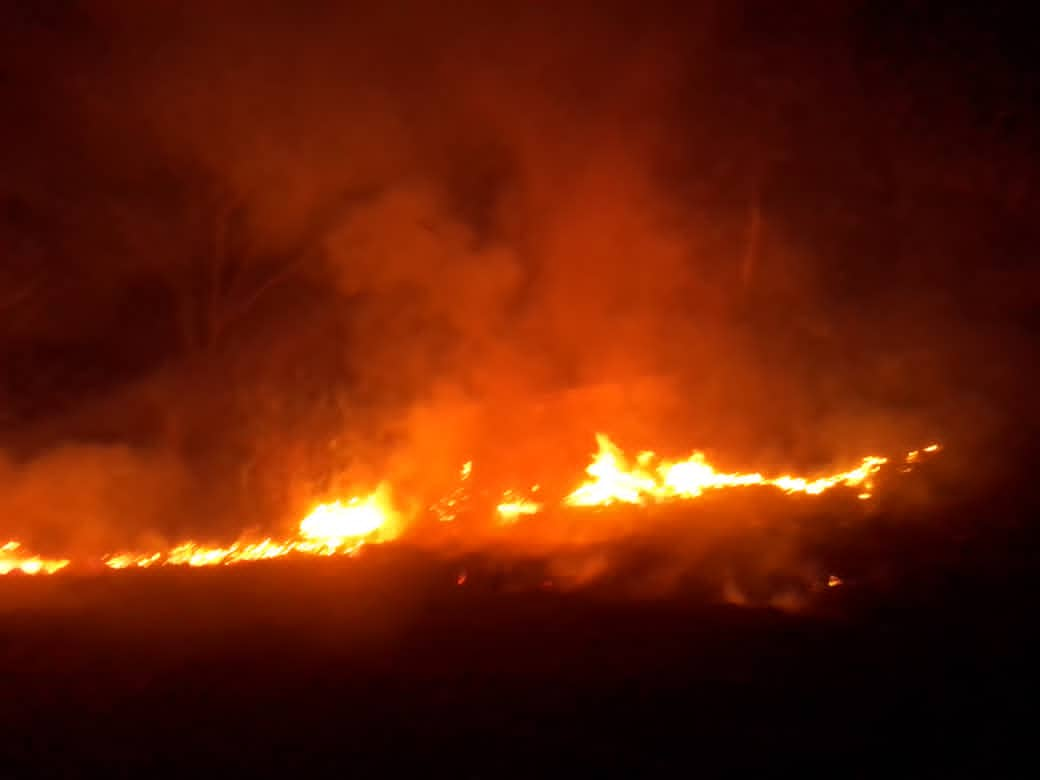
(89, 500)
(387, 240)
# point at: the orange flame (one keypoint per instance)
(614, 480)
(447, 508)
(343, 527)
(332, 528)
(13, 559)
(514, 506)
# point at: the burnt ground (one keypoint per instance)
(384, 664)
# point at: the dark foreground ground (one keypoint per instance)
(385, 664)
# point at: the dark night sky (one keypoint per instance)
(228, 226)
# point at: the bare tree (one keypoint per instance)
(202, 240)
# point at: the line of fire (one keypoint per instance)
(342, 525)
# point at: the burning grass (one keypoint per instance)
(584, 536)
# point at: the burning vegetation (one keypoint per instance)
(260, 259)
(14, 558)
(517, 388)
(343, 526)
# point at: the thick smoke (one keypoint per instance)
(298, 249)
(88, 498)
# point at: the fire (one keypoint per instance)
(513, 506)
(12, 558)
(616, 481)
(192, 554)
(334, 525)
(915, 455)
(447, 508)
(342, 527)
(332, 528)
(128, 560)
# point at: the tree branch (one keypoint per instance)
(306, 251)
(754, 233)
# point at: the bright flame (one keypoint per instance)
(615, 481)
(333, 528)
(343, 527)
(127, 560)
(514, 506)
(333, 525)
(13, 559)
(448, 507)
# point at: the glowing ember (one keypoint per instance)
(447, 508)
(834, 581)
(915, 455)
(12, 558)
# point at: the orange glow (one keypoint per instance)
(128, 560)
(342, 527)
(332, 528)
(331, 524)
(13, 558)
(447, 508)
(915, 455)
(513, 506)
(614, 480)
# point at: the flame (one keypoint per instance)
(448, 507)
(128, 560)
(333, 526)
(513, 506)
(915, 455)
(342, 527)
(336, 527)
(615, 481)
(193, 554)
(13, 559)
